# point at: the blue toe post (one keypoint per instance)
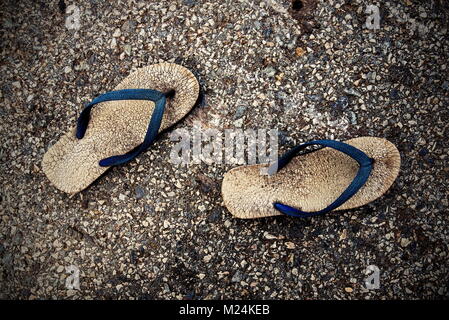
(157, 97)
(365, 163)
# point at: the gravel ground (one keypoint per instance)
(153, 230)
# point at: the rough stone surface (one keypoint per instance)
(175, 239)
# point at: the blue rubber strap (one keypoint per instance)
(365, 163)
(127, 94)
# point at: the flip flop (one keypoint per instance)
(339, 176)
(117, 126)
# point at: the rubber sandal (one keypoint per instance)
(117, 126)
(338, 176)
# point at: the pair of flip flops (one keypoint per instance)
(119, 125)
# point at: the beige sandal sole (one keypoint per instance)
(311, 182)
(116, 127)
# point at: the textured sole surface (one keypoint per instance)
(312, 181)
(117, 127)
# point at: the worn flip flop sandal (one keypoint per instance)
(118, 125)
(338, 176)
